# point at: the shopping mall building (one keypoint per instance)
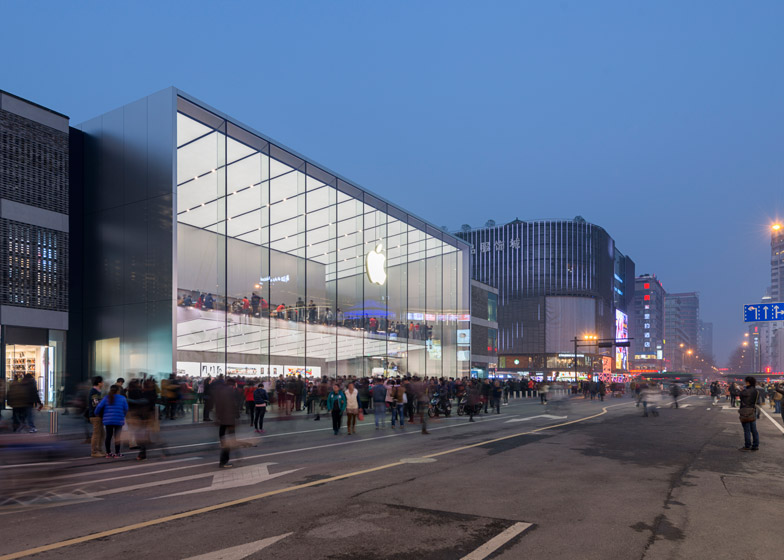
(209, 248)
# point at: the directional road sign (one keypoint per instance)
(763, 312)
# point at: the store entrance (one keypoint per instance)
(22, 359)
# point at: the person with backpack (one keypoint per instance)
(112, 409)
(336, 404)
(379, 394)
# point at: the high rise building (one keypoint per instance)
(647, 324)
(777, 262)
(557, 280)
(771, 334)
(34, 228)
(705, 339)
(681, 329)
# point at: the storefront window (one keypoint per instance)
(283, 268)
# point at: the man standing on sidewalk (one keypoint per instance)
(93, 398)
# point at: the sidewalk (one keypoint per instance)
(73, 425)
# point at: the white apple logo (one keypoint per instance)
(374, 265)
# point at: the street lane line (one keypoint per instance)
(497, 542)
(248, 499)
(220, 475)
(367, 424)
(137, 466)
(33, 464)
(772, 420)
(241, 551)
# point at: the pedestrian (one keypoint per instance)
(650, 399)
(675, 391)
(93, 398)
(601, 389)
(486, 389)
(473, 400)
(420, 390)
(112, 409)
(379, 395)
(141, 407)
(544, 388)
(22, 398)
(336, 403)
(398, 405)
(352, 409)
(250, 403)
(260, 402)
(495, 397)
(226, 414)
(748, 415)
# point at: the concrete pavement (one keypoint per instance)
(599, 484)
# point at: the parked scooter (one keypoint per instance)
(439, 405)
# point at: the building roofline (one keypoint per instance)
(221, 114)
(33, 103)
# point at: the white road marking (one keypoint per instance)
(32, 464)
(134, 475)
(366, 424)
(497, 542)
(548, 416)
(241, 551)
(154, 483)
(772, 420)
(137, 466)
(235, 478)
(708, 408)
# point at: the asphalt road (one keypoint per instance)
(604, 482)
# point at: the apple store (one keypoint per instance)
(211, 249)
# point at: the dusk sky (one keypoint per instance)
(662, 122)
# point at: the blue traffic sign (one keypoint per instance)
(755, 312)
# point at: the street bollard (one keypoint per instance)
(53, 422)
(196, 413)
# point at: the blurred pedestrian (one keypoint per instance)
(226, 414)
(495, 397)
(112, 409)
(379, 395)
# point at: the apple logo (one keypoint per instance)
(374, 265)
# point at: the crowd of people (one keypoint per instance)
(244, 308)
(131, 414)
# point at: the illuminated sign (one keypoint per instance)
(621, 335)
(375, 266)
(274, 279)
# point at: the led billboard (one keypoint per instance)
(621, 334)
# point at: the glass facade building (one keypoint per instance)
(556, 280)
(216, 250)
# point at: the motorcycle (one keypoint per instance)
(439, 405)
(464, 408)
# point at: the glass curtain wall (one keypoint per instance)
(285, 269)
